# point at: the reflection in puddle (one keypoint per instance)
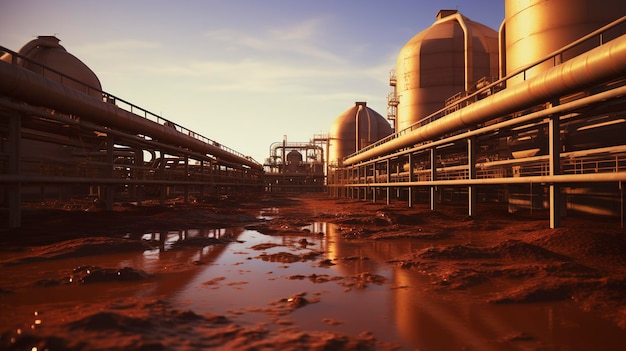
(401, 310)
(166, 240)
(268, 213)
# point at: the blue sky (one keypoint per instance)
(243, 73)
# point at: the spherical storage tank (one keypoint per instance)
(447, 58)
(47, 51)
(533, 29)
(353, 130)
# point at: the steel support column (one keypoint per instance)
(14, 191)
(410, 189)
(471, 164)
(554, 131)
(388, 165)
(138, 173)
(110, 188)
(374, 188)
(163, 187)
(433, 177)
(186, 177)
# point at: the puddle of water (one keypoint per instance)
(268, 213)
(232, 280)
(401, 310)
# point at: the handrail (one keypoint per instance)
(556, 57)
(127, 106)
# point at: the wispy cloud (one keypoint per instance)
(303, 39)
(119, 46)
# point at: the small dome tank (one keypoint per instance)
(294, 161)
(446, 58)
(356, 128)
(294, 157)
(47, 51)
(533, 29)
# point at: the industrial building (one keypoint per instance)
(531, 117)
(296, 166)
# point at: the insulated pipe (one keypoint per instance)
(597, 65)
(467, 47)
(34, 89)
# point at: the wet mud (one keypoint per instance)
(62, 289)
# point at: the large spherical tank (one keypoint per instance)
(47, 51)
(354, 129)
(533, 29)
(447, 58)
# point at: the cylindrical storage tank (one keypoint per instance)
(533, 29)
(356, 128)
(47, 51)
(445, 59)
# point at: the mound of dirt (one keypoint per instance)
(83, 247)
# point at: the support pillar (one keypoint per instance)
(621, 202)
(554, 131)
(410, 189)
(110, 188)
(14, 191)
(163, 186)
(471, 164)
(186, 186)
(388, 164)
(433, 177)
(138, 174)
(201, 179)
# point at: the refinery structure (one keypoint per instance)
(531, 115)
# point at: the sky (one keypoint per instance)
(244, 73)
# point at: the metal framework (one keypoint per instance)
(553, 133)
(60, 142)
(303, 174)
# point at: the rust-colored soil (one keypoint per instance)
(584, 261)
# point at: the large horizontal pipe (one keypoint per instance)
(37, 90)
(37, 180)
(563, 178)
(560, 109)
(598, 65)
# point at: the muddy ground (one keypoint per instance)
(517, 256)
